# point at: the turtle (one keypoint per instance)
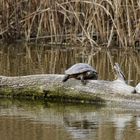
(81, 71)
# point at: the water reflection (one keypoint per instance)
(23, 60)
(40, 120)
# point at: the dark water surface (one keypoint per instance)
(41, 120)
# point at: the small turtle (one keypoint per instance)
(81, 71)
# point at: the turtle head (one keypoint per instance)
(92, 75)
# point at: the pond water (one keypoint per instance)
(41, 120)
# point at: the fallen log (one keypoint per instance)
(50, 86)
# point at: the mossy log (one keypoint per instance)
(50, 86)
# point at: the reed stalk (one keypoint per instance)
(75, 21)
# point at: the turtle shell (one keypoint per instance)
(79, 68)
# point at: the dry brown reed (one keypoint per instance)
(106, 22)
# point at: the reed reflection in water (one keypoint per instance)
(24, 60)
(26, 120)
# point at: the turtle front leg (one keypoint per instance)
(66, 77)
(83, 81)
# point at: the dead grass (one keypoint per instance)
(108, 22)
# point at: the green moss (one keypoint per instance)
(63, 94)
(55, 93)
(32, 92)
